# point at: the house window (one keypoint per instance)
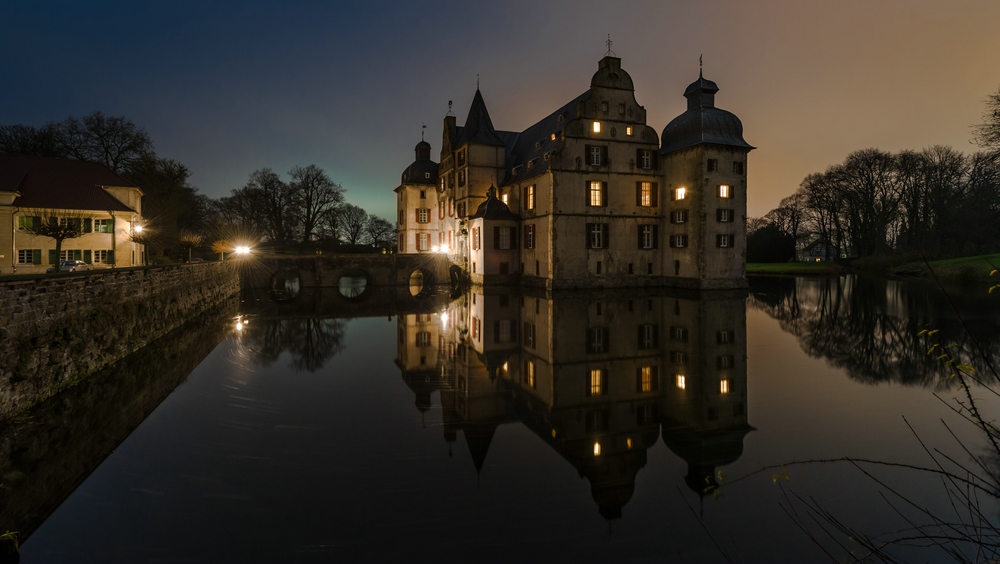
(596, 193)
(597, 127)
(461, 178)
(628, 130)
(595, 383)
(423, 215)
(724, 215)
(679, 334)
(680, 381)
(400, 217)
(476, 238)
(738, 167)
(597, 235)
(529, 197)
(680, 193)
(505, 198)
(678, 241)
(648, 336)
(621, 108)
(648, 379)
(451, 207)
(101, 256)
(461, 157)
(725, 337)
(725, 191)
(529, 371)
(423, 339)
(604, 108)
(71, 222)
(724, 386)
(529, 335)
(28, 223)
(678, 357)
(102, 226)
(713, 165)
(724, 362)
(529, 236)
(423, 241)
(27, 256)
(645, 159)
(423, 194)
(503, 238)
(646, 193)
(597, 340)
(595, 155)
(724, 241)
(461, 209)
(647, 236)
(440, 207)
(679, 216)
(503, 331)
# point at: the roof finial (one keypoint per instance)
(423, 126)
(610, 53)
(477, 81)
(450, 113)
(701, 65)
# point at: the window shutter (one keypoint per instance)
(586, 192)
(496, 331)
(77, 254)
(416, 215)
(53, 257)
(88, 226)
(638, 193)
(513, 237)
(656, 236)
(589, 149)
(604, 156)
(606, 239)
(111, 256)
(586, 234)
(640, 336)
(496, 236)
(36, 256)
(718, 215)
(638, 230)
(638, 158)
(606, 341)
(604, 194)
(87, 256)
(654, 159)
(655, 378)
(513, 332)
(656, 335)
(656, 194)
(604, 379)
(586, 382)
(638, 379)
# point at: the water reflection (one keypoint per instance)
(871, 327)
(310, 341)
(352, 285)
(598, 377)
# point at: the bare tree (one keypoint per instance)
(190, 240)
(43, 223)
(113, 141)
(27, 140)
(351, 221)
(987, 134)
(277, 203)
(317, 196)
(379, 231)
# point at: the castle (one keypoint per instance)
(588, 197)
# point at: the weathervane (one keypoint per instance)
(477, 81)
(610, 53)
(701, 64)
(449, 109)
(423, 126)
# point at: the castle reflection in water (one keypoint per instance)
(600, 377)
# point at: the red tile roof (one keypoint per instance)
(60, 183)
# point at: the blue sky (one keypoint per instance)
(229, 87)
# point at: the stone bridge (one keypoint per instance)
(271, 271)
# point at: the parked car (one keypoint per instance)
(70, 266)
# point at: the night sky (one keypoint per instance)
(229, 87)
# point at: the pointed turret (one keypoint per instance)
(478, 126)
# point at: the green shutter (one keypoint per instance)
(88, 225)
(53, 257)
(36, 256)
(77, 254)
(111, 257)
(88, 256)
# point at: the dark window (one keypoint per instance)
(738, 167)
(648, 237)
(713, 165)
(597, 236)
(597, 340)
(649, 336)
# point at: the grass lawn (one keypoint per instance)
(797, 268)
(966, 270)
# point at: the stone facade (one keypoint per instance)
(598, 199)
(57, 330)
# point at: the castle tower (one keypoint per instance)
(704, 160)
(417, 203)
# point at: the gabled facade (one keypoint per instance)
(106, 207)
(596, 198)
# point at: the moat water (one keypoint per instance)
(591, 427)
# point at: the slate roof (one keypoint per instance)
(417, 172)
(51, 183)
(526, 152)
(478, 126)
(493, 208)
(702, 122)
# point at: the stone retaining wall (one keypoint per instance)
(56, 330)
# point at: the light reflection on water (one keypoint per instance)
(503, 426)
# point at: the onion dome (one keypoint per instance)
(702, 122)
(423, 170)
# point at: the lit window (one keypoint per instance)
(530, 371)
(553, 136)
(423, 214)
(646, 194)
(680, 193)
(628, 443)
(505, 198)
(423, 241)
(529, 197)
(680, 381)
(647, 379)
(725, 191)
(596, 193)
(597, 127)
(596, 382)
(597, 449)
(724, 386)
(628, 130)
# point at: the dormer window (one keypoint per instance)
(427, 175)
(597, 127)
(553, 136)
(621, 108)
(546, 157)
(538, 144)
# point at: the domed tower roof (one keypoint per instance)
(702, 122)
(423, 170)
(493, 208)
